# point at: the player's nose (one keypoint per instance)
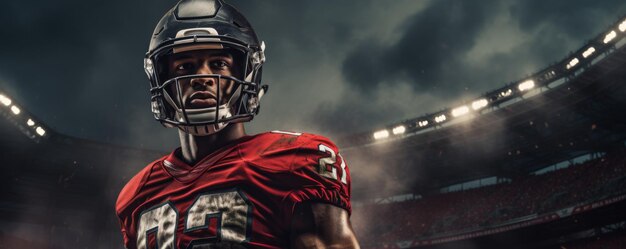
(202, 83)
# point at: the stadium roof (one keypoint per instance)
(566, 110)
(544, 80)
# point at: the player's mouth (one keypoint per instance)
(202, 99)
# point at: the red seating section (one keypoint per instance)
(454, 212)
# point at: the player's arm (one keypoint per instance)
(321, 225)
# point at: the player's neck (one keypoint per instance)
(194, 148)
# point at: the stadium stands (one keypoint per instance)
(616, 240)
(456, 212)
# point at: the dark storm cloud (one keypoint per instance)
(307, 42)
(573, 18)
(435, 40)
(431, 47)
(559, 22)
(432, 41)
(455, 50)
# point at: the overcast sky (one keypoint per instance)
(334, 67)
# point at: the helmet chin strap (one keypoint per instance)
(203, 114)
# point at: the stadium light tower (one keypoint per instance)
(399, 130)
(16, 110)
(526, 85)
(609, 37)
(460, 111)
(440, 118)
(381, 134)
(40, 131)
(5, 100)
(479, 104)
(572, 63)
(506, 93)
(589, 52)
(422, 123)
(20, 117)
(622, 26)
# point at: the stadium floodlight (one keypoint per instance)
(5, 100)
(526, 85)
(589, 52)
(398, 130)
(460, 111)
(422, 123)
(30, 122)
(609, 37)
(40, 131)
(16, 110)
(381, 134)
(506, 93)
(479, 104)
(440, 118)
(572, 63)
(622, 26)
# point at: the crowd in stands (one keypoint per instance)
(613, 241)
(448, 213)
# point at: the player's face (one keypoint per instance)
(202, 92)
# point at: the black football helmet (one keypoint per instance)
(200, 25)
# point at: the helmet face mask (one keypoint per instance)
(226, 31)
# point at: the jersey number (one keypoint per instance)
(231, 210)
(325, 168)
(324, 165)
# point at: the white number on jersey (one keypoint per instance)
(231, 208)
(327, 162)
(161, 220)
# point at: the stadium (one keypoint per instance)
(537, 163)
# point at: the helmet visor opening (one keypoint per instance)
(205, 58)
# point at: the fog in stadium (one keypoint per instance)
(343, 69)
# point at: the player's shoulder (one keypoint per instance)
(132, 187)
(281, 148)
(279, 141)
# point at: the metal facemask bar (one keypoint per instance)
(242, 90)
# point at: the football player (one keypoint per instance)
(223, 188)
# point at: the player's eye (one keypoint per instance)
(220, 64)
(183, 68)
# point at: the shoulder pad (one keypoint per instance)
(275, 142)
(274, 150)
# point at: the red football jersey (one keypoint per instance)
(242, 195)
